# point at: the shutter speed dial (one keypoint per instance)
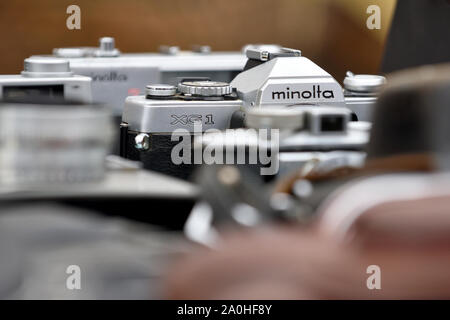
(205, 88)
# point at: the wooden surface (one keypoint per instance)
(332, 33)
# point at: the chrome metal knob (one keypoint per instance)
(160, 90)
(46, 67)
(107, 48)
(142, 142)
(363, 82)
(205, 88)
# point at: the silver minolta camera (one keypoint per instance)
(44, 78)
(280, 77)
(116, 75)
(283, 77)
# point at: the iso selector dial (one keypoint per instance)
(205, 88)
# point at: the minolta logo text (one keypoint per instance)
(109, 77)
(315, 93)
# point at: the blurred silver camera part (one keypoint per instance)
(61, 152)
(329, 139)
(116, 75)
(325, 120)
(53, 144)
(285, 119)
(119, 182)
(44, 78)
(321, 161)
(320, 134)
(361, 91)
(311, 120)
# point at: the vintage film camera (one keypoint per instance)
(280, 78)
(44, 78)
(116, 75)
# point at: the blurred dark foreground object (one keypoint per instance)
(419, 35)
(406, 234)
(393, 213)
(117, 258)
(305, 266)
(411, 115)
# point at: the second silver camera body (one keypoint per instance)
(116, 75)
(45, 78)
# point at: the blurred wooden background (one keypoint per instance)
(332, 33)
